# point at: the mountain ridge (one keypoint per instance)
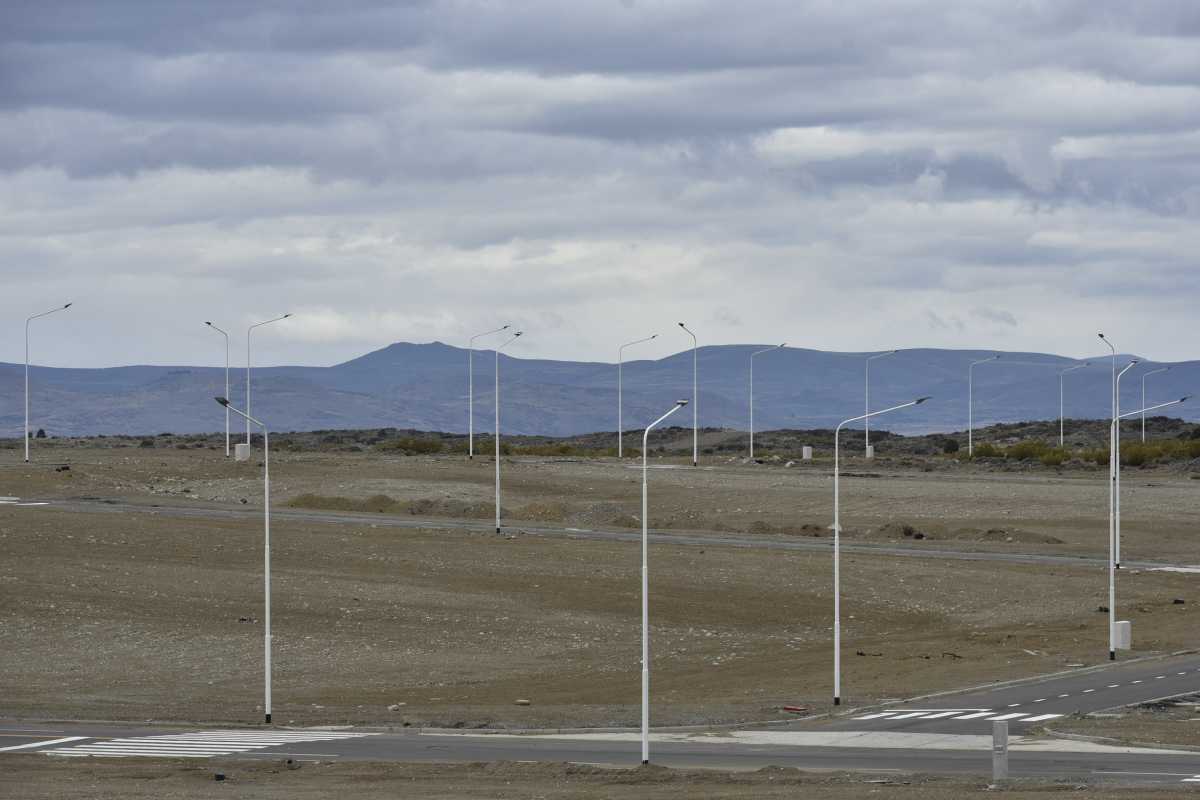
(424, 386)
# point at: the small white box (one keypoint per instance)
(806, 453)
(1122, 635)
(870, 451)
(241, 452)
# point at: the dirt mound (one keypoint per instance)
(1007, 535)
(806, 529)
(382, 504)
(379, 503)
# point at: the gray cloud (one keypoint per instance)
(411, 170)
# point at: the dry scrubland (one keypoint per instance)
(147, 616)
(40, 778)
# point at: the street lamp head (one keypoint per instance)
(681, 403)
(920, 400)
(68, 305)
(208, 323)
(1101, 335)
(682, 325)
(654, 336)
(222, 401)
(783, 345)
(505, 327)
(285, 316)
(1185, 398)
(518, 333)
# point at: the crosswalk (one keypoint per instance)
(198, 744)
(959, 714)
(16, 501)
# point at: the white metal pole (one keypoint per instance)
(27, 321)
(620, 406)
(646, 586)
(511, 339)
(267, 574)
(248, 332)
(1115, 447)
(226, 335)
(1114, 511)
(695, 400)
(837, 569)
(837, 542)
(867, 399)
(471, 388)
(1147, 375)
(266, 555)
(752, 355)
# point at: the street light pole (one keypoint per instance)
(695, 400)
(1061, 373)
(1114, 511)
(971, 402)
(837, 543)
(620, 366)
(27, 321)
(1147, 375)
(248, 332)
(266, 556)
(471, 388)
(752, 355)
(867, 403)
(511, 339)
(226, 335)
(646, 585)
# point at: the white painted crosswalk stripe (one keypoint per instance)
(955, 714)
(198, 744)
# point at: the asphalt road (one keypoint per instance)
(972, 758)
(1037, 702)
(688, 538)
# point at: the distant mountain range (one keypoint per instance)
(424, 386)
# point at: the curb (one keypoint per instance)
(1079, 737)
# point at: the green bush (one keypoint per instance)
(1054, 457)
(950, 446)
(412, 445)
(1034, 448)
(988, 450)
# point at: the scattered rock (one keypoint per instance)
(1178, 601)
(1102, 609)
(396, 706)
(524, 703)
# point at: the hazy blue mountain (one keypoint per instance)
(425, 386)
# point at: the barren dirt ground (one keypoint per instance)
(138, 616)
(39, 778)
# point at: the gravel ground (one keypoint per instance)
(41, 778)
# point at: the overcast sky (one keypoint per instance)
(1012, 174)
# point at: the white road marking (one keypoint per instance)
(976, 715)
(1041, 717)
(42, 744)
(999, 717)
(199, 744)
(1113, 685)
(1086, 691)
(876, 716)
(1064, 695)
(940, 715)
(1040, 700)
(1138, 681)
(1013, 705)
